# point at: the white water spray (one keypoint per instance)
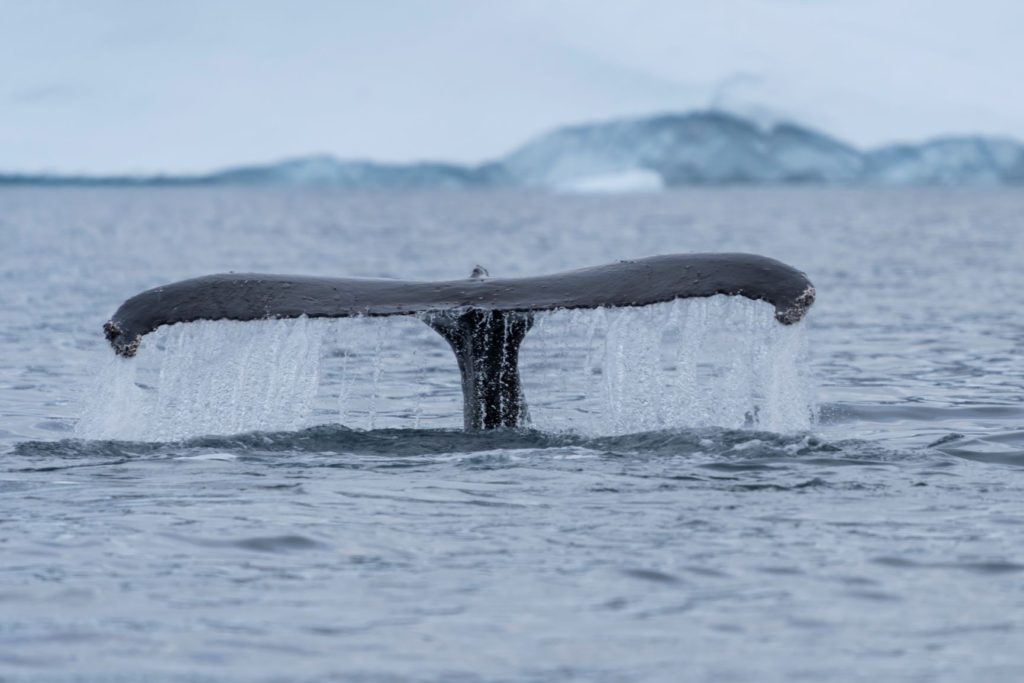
(209, 377)
(721, 361)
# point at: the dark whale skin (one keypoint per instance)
(638, 282)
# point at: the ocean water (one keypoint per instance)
(703, 495)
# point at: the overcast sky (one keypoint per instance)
(104, 86)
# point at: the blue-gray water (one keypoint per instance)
(885, 542)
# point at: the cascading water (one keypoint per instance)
(721, 361)
(387, 372)
(209, 377)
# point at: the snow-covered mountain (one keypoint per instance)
(948, 161)
(326, 170)
(684, 149)
(671, 150)
(642, 154)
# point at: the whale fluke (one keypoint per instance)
(484, 319)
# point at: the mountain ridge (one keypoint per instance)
(663, 150)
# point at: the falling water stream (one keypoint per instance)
(721, 361)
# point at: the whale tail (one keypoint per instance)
(483, 319)
(486, 346)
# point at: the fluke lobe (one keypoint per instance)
(484, 319)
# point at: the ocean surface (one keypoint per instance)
(704, 495)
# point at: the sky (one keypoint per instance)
(146, 86)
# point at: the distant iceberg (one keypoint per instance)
(627, 181)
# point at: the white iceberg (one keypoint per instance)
(629, 180)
